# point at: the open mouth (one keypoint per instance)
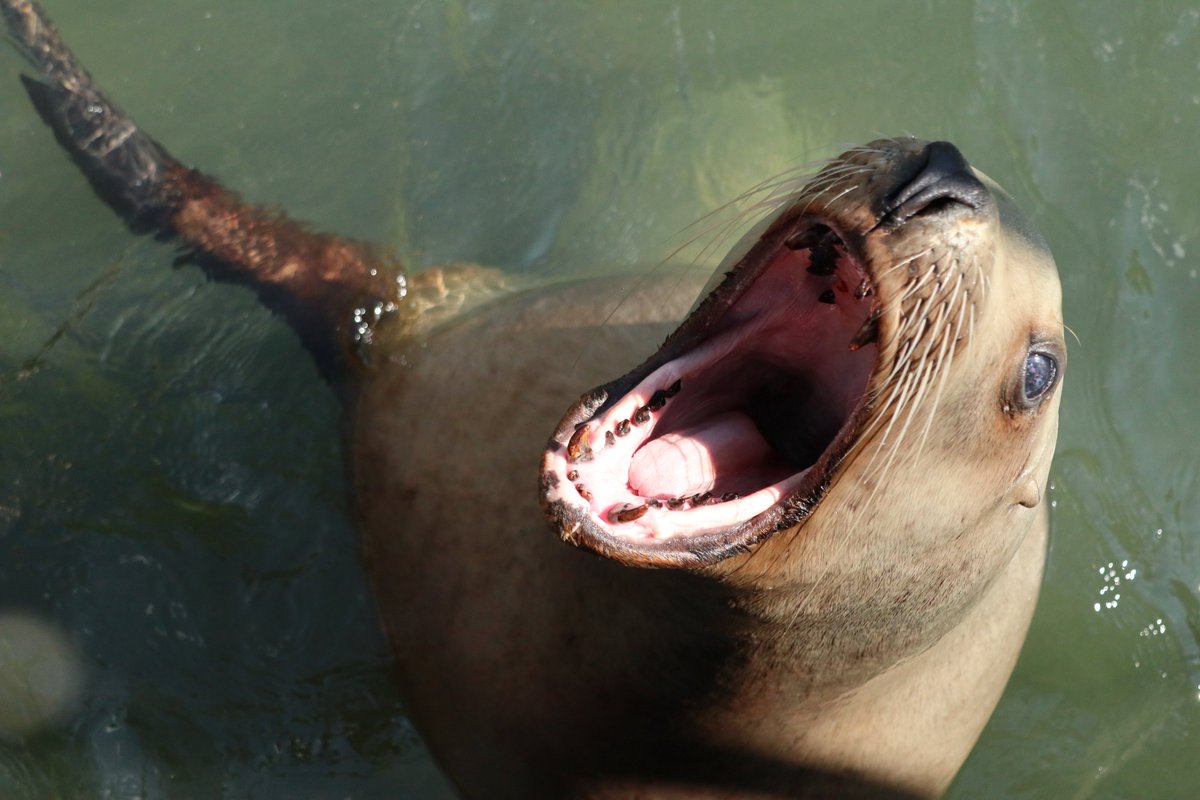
(732, 430)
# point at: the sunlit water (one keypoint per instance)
(172, 503)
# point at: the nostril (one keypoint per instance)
(939, 180)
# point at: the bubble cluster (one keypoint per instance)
(1156, 628)
(1113, 574)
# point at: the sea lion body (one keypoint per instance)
(562, 662)
(886, 345)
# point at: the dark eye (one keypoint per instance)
(1041, 370)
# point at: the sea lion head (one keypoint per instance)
(874, 370)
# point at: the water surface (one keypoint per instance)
(172, 502)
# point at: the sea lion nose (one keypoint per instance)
(936, 179)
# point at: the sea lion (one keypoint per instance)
(837, 464)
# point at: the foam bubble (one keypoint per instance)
(41, 675)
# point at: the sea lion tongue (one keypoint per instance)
(690, 461)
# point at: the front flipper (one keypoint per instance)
(331, 290)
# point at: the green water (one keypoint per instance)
(171, 490)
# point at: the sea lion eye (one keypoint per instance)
(1041, 372)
